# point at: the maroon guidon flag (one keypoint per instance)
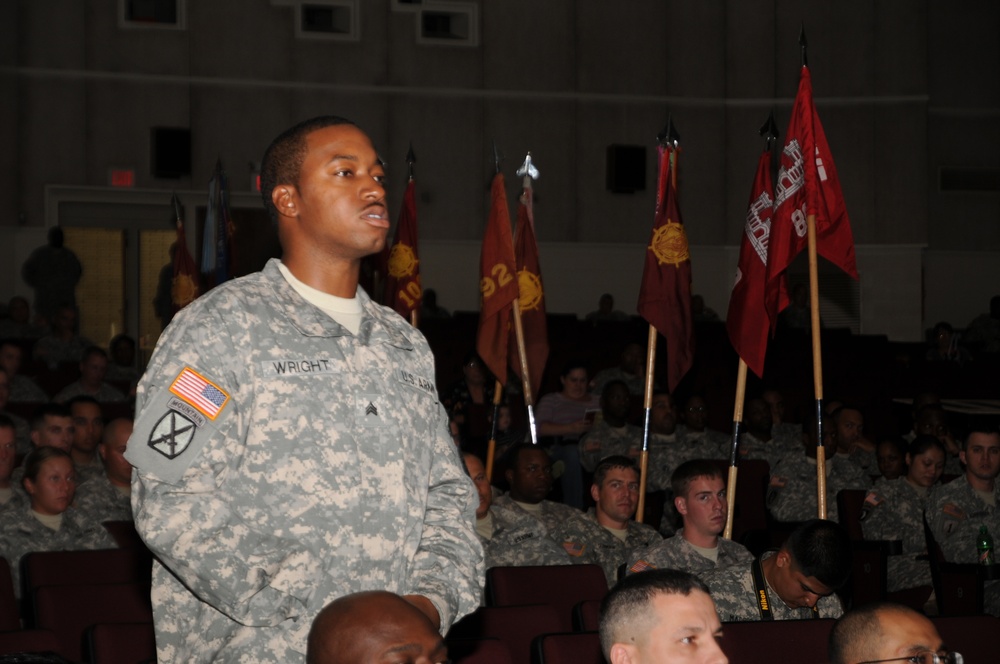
(807, 184)
(497, 284)
(665, 293)
(531, 297)
(747, 321)
(402, 276)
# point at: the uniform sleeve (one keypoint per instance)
(779, 489)
(188, 437)
(448, 568)
(949, 523)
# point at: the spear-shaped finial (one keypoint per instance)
(176, 203)
(528, 169)
(769, 130)
(804, 45)
(411, 159)
(669, 135)
(497, 158)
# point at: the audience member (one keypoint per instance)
(93, 369)
(700, 313)
(23, 438)
(797, 315)
(506, 433)
(563, 416)
(53, 271)
(781, 427)
(886, 632)
(529, 473)
(944, 346)
(700, 498)
(52, 426)
(631, 371)
(88, 427)
(847, 424)
(470, 400)
(510, 538)
(48, 522)
(22, 388)
(795, 583)
(758, 440)
(429, 307)
(983, 333)
(613, 435)
(791, 492)
(695, 428)
(932, 420)
(895, 511)
(18, 323)
(606, 311)
(609, 528)
(374, 627)
(956, 510)
(660, 616)
(891, 458)
(62, 344)
(121, 368)
(8, 456)
(107, 497)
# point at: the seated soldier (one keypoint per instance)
(695, 428)
(608, 528)
(700, 499)
(93, 368)
(660, 616)
(932, 420)
(795, 583)
(510, 538)
(529, 473)
(22, 388)
(957, 510)
(758, 441)
(887, 632)
(791, 491)
(18, 324)
(372, 627)
(121, 368)
(8, 454)
(846, 425)
(62, 344)
(781, 427)
(613, 435)
(23, 437)
(891, 456)
(107, 497)
(88, 427)
(631, 371)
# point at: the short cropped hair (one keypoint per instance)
(515, 451)
(81, 398)
(982, 424)
(48, 410)
(283, 159)
(627, 606)
(7, 423)
(610, 463)
(688, 471)
(821, 549)
(90, 351)
(856, 635)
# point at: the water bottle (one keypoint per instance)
(984, 546)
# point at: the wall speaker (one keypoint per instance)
(170, 152)
(626, 168)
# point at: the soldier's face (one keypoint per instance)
(93, 369)
(696, 414)
(55, 432)
(663, 414)
(982, 455)
(616, 403)
(932, 423)
(88, 426)
(686, 629)
(794, 588)
(759, 415)
(337, 209)
(10, 358)
(4, 389)
(704, 507)
(850, 424)
(575, 383)
(926, 468)
(904, 634)
(531, 478)
(618, 495)
(777, 405)
(8, 450)
(53, 489)
(478, 475)
(890, 462)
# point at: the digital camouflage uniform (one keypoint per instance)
(106, 393)
(735, 597)
(791, 492)
(101, 501)
(714, 444)
(557, 519)
(863, 459)
(604, 440)
(955, 512)
(53, 351)
(677, 553)
(666, 453)
(22, 433)
(606, 550)
(772, 451)
(519, 539)
(25, 390)
(894, 510)
(636, 384)
(282, 462)
(21, 533)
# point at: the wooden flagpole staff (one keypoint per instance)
(741, 385)
(491, 448)
(817, 357)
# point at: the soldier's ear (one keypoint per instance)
(681, 504)
(621, 653)
(595, 493)
(284, 198)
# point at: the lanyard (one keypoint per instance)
(763, 599)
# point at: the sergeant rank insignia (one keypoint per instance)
(172, 434)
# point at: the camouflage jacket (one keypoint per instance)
(282, 462)
(603, 548)
(677, 553)
(894, 510)
(791, 493)
(101, 501)
(519, 539)
(955, 512)
(604, 440)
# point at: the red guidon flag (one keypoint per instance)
(184, 286)
(497, 284)
(665, 293)
(807, 184)
(747, 321)
(531, 297)
(402, 276)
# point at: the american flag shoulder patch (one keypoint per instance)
(954, 511)
(640, 566)
(574, 549)
(202, 394)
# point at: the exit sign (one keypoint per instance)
(122, 177)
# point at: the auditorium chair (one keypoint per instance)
(573, 648)
(515, 626)
(559, 586)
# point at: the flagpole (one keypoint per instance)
(491, 448)
(528, 173)
(741, 384)
(817, 357)
(648, 407)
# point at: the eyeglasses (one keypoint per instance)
(925, 658)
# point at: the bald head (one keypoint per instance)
(372, 627)
(882, 631)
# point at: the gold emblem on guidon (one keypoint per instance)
(531, 290)
(183, 290)
(670, 244)
(402, 261)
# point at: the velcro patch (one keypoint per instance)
(640, 566)
(415, 381)
(873, 499)
(298, 367)
(204, 395)
(777, 482)
(574, 549)
(172, 434)
(954, 511)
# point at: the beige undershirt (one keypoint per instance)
(711, 554)
(484, 526)
(987, 497)
(346, 311)
(620, 534)
(53, 521)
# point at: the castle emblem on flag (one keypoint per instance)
(402, 261)
(530, 288)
